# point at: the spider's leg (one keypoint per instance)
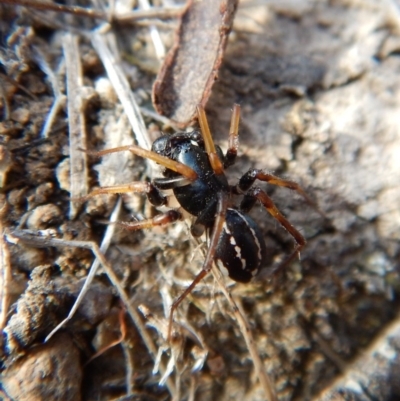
(198, 226)
(248, 179)
(215, 161)
(255, 194)
(233, 144)
(161, 219)
(154, 195)
(209, 260)
(170, 183)
(173, 165)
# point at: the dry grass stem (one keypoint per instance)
(76, 122)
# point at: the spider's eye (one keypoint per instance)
(196, 137)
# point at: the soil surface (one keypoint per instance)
(319, 89)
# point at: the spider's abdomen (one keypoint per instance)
(241, 248)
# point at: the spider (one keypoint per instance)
(194, 168)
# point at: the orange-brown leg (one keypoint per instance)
(257, 194)
(154, 195)
(233, 142)
(230, 156)
(160, 220)
(173, 165)
(215, 162)
(248, 179)
(142, 187)
(209, 260)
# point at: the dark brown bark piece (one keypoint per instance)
(191, 67)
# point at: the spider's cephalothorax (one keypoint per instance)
(194, 168)
(200, 196)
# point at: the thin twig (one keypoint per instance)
(76, 123)
(121, 87)
(48, 6)
(157, 117)
(155, 35)
(93, 269)
(149, 13)
(58, 96)
(135, 15)
(130, 378)
(5, 279)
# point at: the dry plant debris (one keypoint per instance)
(319, 87)
(191, 66)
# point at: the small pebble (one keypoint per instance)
(44, 216)
(63, 175)
(21, 115)
(5, 163)
(50, 371)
